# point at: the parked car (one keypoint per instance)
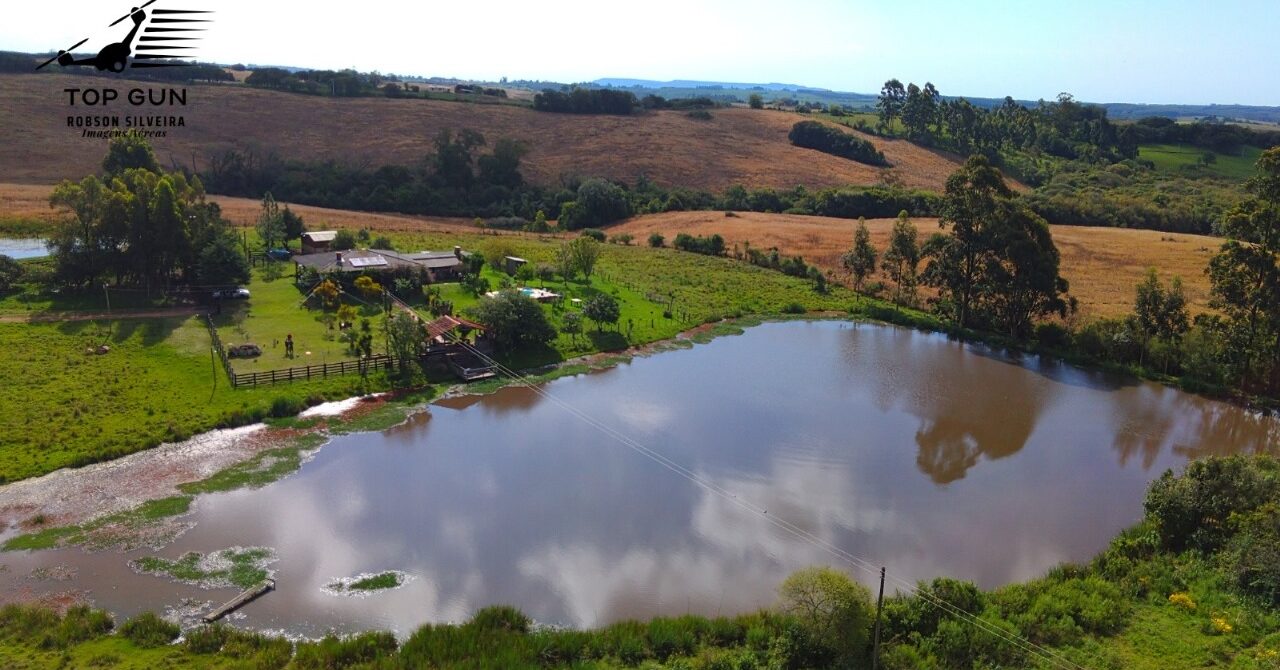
(244, 351)
(279, 254)
(232, 293)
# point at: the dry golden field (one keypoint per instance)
(1102, 264)
(737, 146)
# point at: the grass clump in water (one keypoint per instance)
(367, 583)
(239, 567)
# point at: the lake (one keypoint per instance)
(912, 451)
(23, 247)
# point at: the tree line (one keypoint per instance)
(137, 224)
(824, 138)
(1225, 138)
(1063, 127)
(460, 179)
(995, 268)
(579, 100)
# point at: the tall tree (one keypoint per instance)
(889, 106)
(128, 152)
(902, 258)
(1020, 280)
(270, 226)
(997, 266)
(1245, 274)
(601, 308)
(565, 262)
(861, 260)
(1159, 312)
(221, 262)
(293, 225)
(585, 252)
(971, 200)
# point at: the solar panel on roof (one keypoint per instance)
(367, 261)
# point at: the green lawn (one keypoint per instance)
(275, 310)
(1185, 159)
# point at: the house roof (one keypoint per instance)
(448, 323)
(320, 235)
(358, 260)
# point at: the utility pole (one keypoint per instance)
(875, 652)
(108, 298)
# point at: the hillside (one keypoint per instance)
(737, 146)
(1102, 264)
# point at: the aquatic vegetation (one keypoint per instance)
(240, 567)
(368, 582)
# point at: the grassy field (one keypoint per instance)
(277, 310)
(156, 385)
(737, 146)
(1102, 264)
(1185, 160)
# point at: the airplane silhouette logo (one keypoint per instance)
(169, 30)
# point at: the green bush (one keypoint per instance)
(149, 630)
(500, 618)
(206, 639)
(834, 611)
(824, 138)
(283, 406)
(81, 623)
(1192, 511)
(793, 308)
(1053, 336)
(1253, 556)
(335, 652)
(1058, 613)
(671, 637)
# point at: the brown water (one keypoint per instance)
(922, 454)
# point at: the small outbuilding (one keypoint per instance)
(513, 263)
(317, 241)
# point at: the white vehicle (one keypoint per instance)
(232, 293)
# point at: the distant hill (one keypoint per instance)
(683, 88)
(692, 83)
(735, 146)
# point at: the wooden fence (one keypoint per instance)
(306, 372)
(299, 373)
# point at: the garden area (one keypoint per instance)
(277, 308)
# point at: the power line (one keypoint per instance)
(1022, 643)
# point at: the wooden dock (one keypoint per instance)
(239, 601)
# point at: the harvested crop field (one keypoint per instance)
(737, 146)
(1102, 264)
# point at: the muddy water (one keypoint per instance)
(921, 454)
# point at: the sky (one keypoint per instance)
(1170, 51)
